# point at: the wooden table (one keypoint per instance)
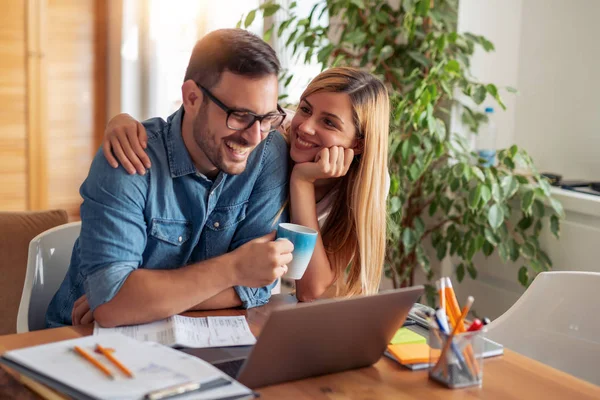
(511, 376)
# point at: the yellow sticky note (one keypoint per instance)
(406, 336)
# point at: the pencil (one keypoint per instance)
(114, 360)
(93, 361)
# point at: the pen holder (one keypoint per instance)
(456, 362)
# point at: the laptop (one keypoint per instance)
(312, 339)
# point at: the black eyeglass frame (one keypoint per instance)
(256, 117)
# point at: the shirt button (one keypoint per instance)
(216, 224)
(180, 239)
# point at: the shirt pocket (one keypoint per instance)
(175, 232)
(168, 243)
(220, 228)
(226, 218)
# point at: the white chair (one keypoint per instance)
(47, 264)
(557, 323)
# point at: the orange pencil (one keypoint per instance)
(453, 306)
(114, 360)
(93, 361)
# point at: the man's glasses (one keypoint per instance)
(240, 120)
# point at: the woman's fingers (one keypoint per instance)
(133, 158)
(135, 143)
(118, 150)
(107, 150)
(348, 157)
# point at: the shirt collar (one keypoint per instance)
(180, 162)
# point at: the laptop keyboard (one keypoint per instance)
(231, 368)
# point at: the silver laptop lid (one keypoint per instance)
(326, 336)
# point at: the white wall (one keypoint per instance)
(558, 111)
(500, 22)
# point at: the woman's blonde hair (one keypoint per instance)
(354, 233)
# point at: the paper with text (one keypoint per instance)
(189, 331)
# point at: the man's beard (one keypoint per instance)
(211, 148)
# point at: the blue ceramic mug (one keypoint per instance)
(304, 240)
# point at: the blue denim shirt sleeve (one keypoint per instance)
(265, 209)
(113, 231)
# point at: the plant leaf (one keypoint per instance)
(386, 52)
(538, 209)
(514, 248)
(527, 201)
(420, 58)
(555, 226)
(480, 94)
(250, 18)
(271, 9)
(557, 206)
(472, 271)
(268, 33)
(523, 276)
(475, 196)
(486, 194)
(408, 239)
(495, 216)
(478, 173)
(528, 250)
(395, 205)
(460, 272)
(488, 249)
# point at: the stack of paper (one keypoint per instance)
(189, 332)
(154, 367)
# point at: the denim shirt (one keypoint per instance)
(170, 217)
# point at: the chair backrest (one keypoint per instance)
(16, 231)
(47, 264)
(556, 323)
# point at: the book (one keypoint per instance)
(154, 366)
(179, 331)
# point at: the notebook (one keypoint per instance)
(178, 331)
(154, 367)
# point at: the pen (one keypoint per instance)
(186, 388)
(93, 361)
(114, 360)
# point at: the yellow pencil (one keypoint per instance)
(113, 359)
(93, 361)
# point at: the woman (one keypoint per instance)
(338, 143)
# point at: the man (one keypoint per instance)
(193, 232)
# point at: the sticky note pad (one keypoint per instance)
(406, 336)
(413, 353)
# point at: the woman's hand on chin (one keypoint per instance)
(332, 162)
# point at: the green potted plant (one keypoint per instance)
(441, 192)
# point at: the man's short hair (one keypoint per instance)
(234, 50)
